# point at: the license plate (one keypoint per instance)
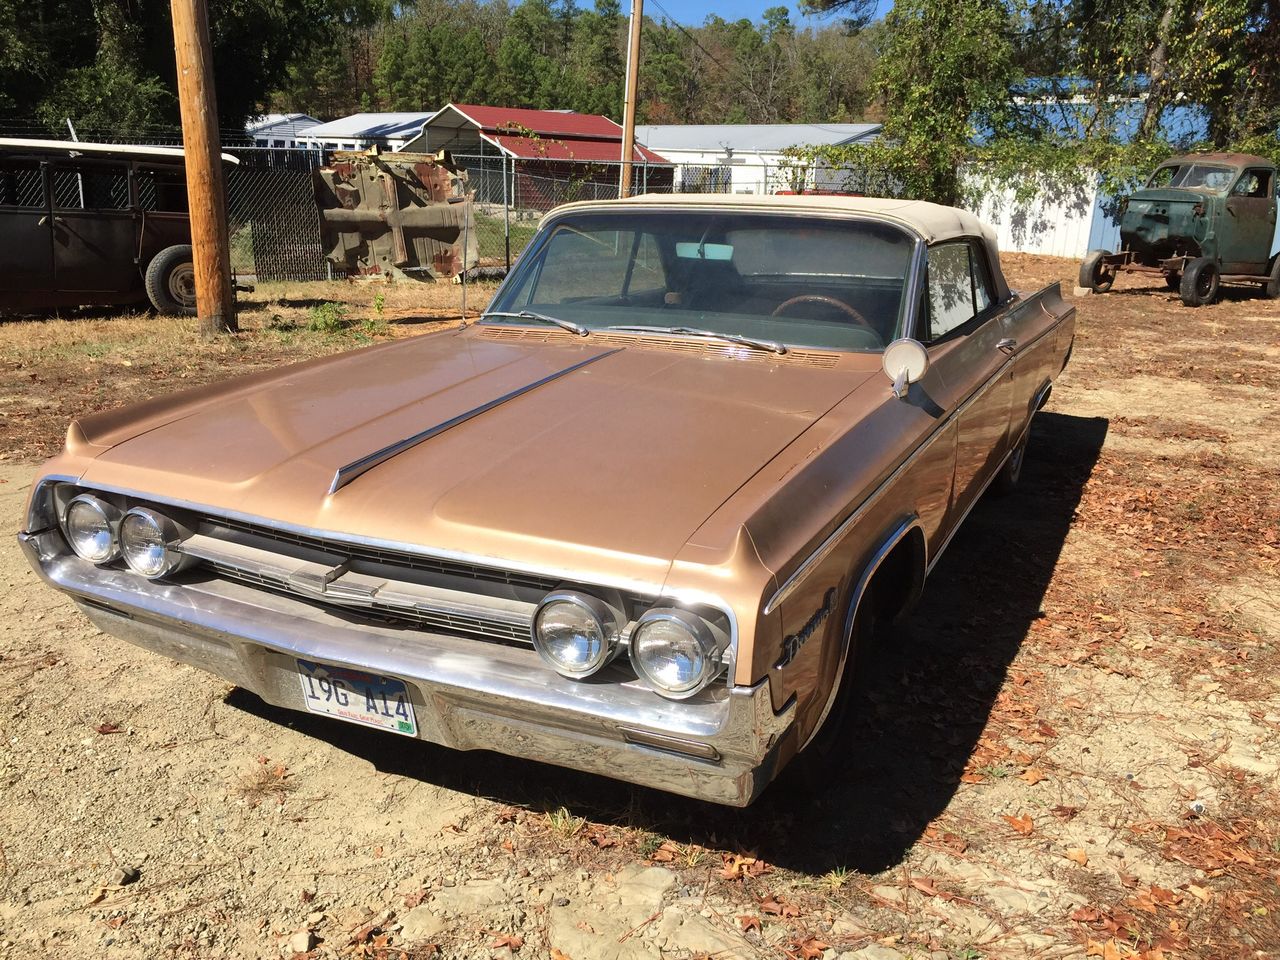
(358, 697)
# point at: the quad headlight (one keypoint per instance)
(92, 527)
(149, 541)
(575, 633)
(677, 652)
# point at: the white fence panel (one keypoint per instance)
(1051, 222)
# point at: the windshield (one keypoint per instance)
(1193, 176)
(794, 280)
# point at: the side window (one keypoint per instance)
(162, 189)
(90, 186)
(21, 184)
(950, 288)
(959, 286)
(1253, 183)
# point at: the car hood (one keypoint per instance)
(582, 455)
(1172, 195)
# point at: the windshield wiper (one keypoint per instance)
(756, 342)
(569, 325)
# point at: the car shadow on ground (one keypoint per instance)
(928, 694)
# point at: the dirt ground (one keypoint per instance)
(1070, 749)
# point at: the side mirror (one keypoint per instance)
(905, 362)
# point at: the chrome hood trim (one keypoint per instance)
(358, 468)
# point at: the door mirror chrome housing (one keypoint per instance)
(905, 362)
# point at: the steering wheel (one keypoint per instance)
(840, 305)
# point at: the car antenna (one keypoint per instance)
(466, 222)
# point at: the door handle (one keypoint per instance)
(45, 219)
(1007, 345)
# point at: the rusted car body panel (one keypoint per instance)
(80, 222)
(396, 215)
(763, 490)
(1226, 214)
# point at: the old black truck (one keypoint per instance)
(94, 223)
(1202, 220)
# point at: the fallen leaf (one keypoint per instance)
(1087, 915)
(665, 853)
(559, 955)
(778, 908)
(1077, 855)
(509, 940)
(1033, 775)
(971, 778)
(748, 922)
(811, 948)
(1203, 894)
(107, 728)
(735, 867)
(1022, 825)
(1063, 812)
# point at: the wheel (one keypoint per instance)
(1272, 288)
(1006, 480)
(1173, 281)
(1199, 285)
(171, 281)
(833, 736)
(1096, 275)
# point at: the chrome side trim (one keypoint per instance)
(357, 468)
(895, 537)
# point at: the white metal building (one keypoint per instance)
(391, 131)
(279, 129)
(748, 158)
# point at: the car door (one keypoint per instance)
(94, 230)
(26, 234)
(965, 334)
(1250, 224)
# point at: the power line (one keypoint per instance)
(694, 40)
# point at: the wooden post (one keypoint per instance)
(629, 102)
(197, 100)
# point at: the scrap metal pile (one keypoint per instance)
(398, 215)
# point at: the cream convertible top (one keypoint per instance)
(932, 222)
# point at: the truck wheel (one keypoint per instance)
(1096, 275)
(171, 281)
(1273, 284)
(1199, 285)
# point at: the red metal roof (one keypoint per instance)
(558, 136)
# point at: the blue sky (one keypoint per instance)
(693, 12)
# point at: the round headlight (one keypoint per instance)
(93, 529)
(676, 652)
(575, 634)
(149, 542)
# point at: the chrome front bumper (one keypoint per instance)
(467, 694)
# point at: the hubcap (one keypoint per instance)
(182, 284)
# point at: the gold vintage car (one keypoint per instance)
(631, 521)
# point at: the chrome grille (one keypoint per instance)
(359, 580)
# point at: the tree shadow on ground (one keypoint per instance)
(928, 694)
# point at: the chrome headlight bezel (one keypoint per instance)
(711, 642)
(608, 619)
(110, 515)
(169, 533)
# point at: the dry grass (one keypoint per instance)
(56, 368)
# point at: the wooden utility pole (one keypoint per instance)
(206, 195)
(629, 101)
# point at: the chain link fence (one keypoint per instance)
(272, 215)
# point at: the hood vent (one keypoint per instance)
(701, 348)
